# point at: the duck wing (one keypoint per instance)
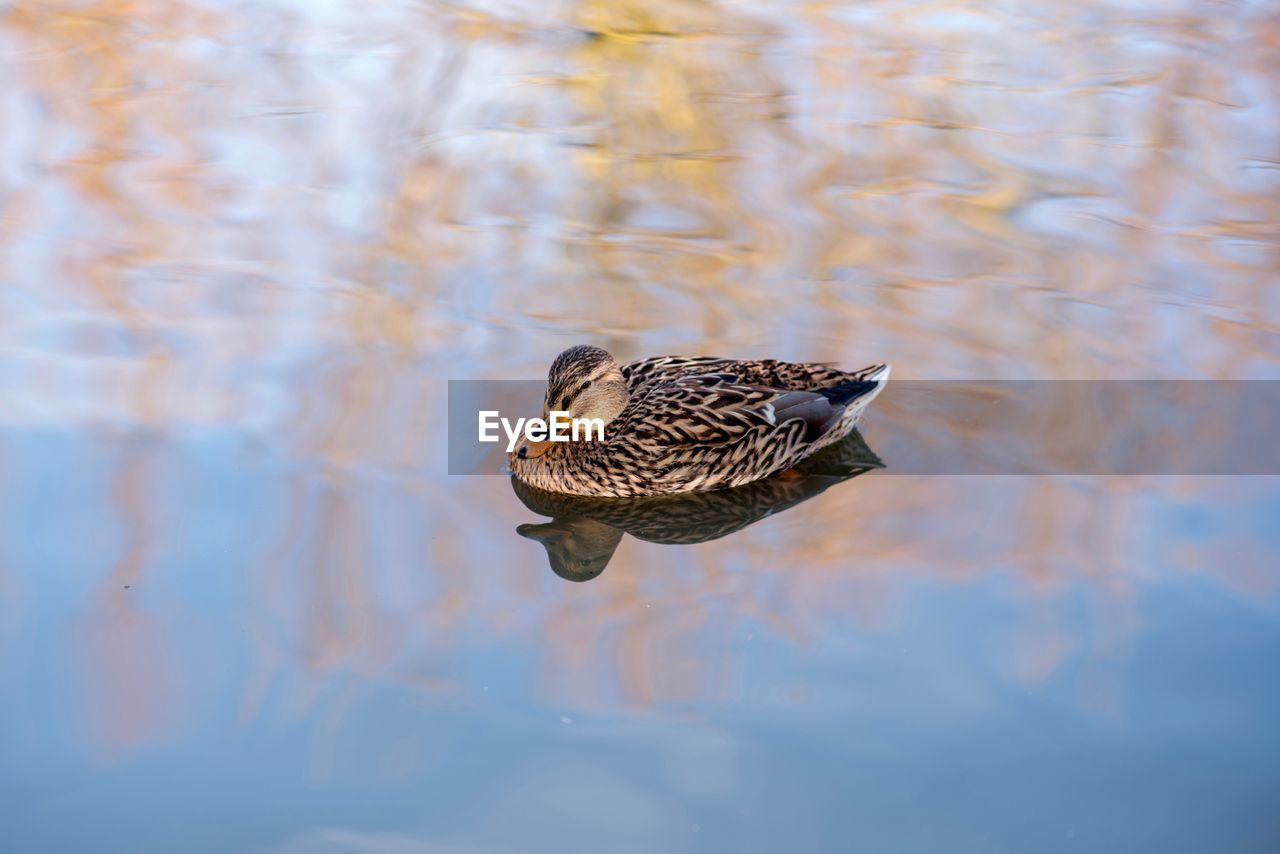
(712, 431)
(668, 368)
(768, 373)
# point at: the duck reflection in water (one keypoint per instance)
(584, 532)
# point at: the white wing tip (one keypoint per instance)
(879, 374)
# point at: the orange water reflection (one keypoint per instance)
(353, 581)
(293, 222)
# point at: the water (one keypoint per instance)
(243, 246)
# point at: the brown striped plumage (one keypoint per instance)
(583, 532)
(676, 424)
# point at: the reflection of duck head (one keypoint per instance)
(584, 532)
(577, 547)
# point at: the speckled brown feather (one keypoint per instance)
(699, 517)
(699, 424)
(583, 533)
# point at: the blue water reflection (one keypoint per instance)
(271, 659)
(244, 246)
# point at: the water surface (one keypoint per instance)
(244, 246)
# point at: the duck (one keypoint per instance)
(583, 533)
(677, 424)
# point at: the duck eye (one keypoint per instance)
(569, 397)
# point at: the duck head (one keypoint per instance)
(586, 382)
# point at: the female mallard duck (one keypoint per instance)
(675, 424)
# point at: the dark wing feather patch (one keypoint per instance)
(705, 409)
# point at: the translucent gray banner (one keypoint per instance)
(1040, 427)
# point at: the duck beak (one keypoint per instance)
(548, 532)
(529, 450)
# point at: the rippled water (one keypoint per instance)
(244, 245)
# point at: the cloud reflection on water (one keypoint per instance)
(243, 246)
